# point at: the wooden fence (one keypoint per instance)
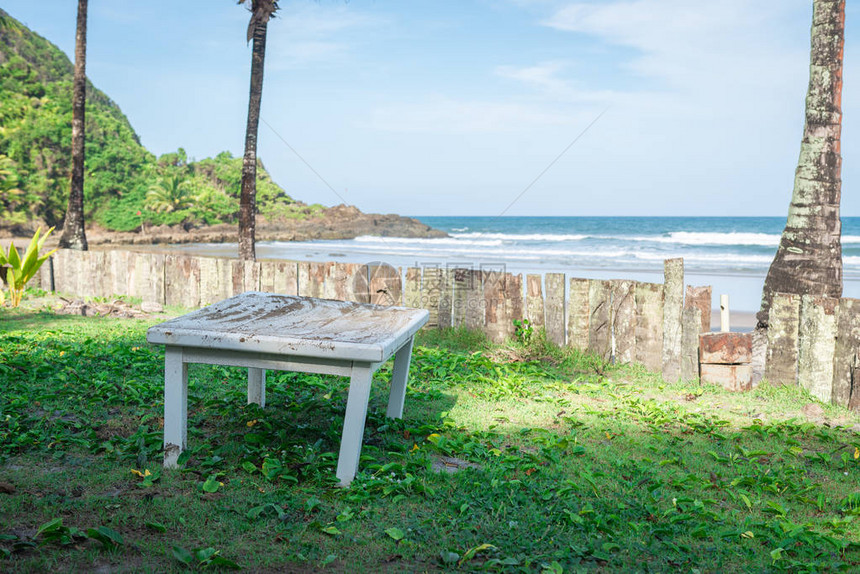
(621, 320)
(812, 341)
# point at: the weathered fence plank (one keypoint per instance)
(460, 284)
(816, 345)
(673, 306)
(700, 298)
(385, 285)
(534, 300)
(623, 320)
(412, 288)
(782, 334)
(337, 282)
(599, 319)
(445, 305)
(514, 307)
(210, 290)
(494, 306)
(475, 310)
(648, 298)
(691, 326)
(554, 311)
(430, 289)
(845, 358)
(181, 280)
(578, 313)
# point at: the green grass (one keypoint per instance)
(578, 466)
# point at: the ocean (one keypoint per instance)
(730, 253)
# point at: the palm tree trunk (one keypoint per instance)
(248, 196)
(809, 257)
(74, 236)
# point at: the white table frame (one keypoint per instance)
(360, 372)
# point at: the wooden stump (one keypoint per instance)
(724, 359)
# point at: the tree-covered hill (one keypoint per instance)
(126, 186)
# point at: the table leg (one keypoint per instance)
(175, 405)
(397, 395)
(353, 423)
(257, 386)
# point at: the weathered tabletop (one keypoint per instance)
(269, 331)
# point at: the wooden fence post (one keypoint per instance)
(845, 358)
(475, 304)
(690, 329)
(445, 306)
(817, 345)
(534, 300)
(599, 326)
(623, 319)
(494, 305)
(673, 306)
(578, 314)
(700, 298)
(648, 298)
(782, 333)
(555, 323)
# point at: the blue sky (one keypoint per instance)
(453, 107)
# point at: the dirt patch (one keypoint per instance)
(121, 426)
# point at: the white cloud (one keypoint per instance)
(692, 44)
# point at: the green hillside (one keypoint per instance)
(126, 185)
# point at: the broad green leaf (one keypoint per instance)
(449, 557)
(331, 530)
(183, 555)
(205, 554)
(50, 526)
(13, 258)
(395, 533)
(211, 484)
(107, 536)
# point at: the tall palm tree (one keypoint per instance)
(261, 12)
(809, 257)
(74, 236)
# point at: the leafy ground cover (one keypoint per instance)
(565, 465)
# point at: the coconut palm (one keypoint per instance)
(809, 257)
(261, 12)
(74, 236)
(170, 193)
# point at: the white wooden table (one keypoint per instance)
(282, 332)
